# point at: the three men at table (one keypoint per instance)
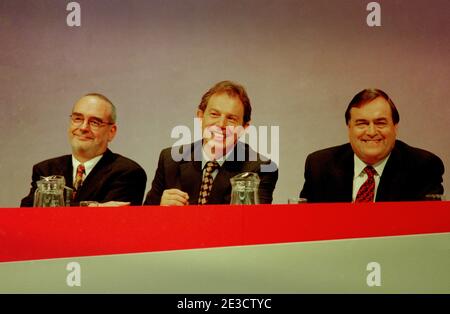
(95, 173)
(374, 166)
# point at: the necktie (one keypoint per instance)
(78, 179)
(366, 192)
(207, 182)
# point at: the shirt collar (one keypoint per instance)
(88, 165)
(220, 161)
(360, 165)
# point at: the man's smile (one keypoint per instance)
(83, 137)
(373, 141)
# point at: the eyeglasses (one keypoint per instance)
(94, 123)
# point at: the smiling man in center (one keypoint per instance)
(225, 112)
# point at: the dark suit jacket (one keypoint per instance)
(410, 173)
(114, 178)
(186, 175)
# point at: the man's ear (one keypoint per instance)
(112, 133)
(200, 113)
(247, 124)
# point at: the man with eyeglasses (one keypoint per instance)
(93, 171)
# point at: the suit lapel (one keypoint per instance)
(68, 171)
(191, 179)
(190, 172)
(94, 180)
(64, 168)
(221, 188)
(391, 179)
(343, 175)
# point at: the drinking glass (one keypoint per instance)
(297, 200)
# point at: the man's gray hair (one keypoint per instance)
(103, 97)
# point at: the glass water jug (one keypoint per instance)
(50, 192)
(244, 189)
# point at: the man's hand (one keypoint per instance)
(112, 204)
(174, 197)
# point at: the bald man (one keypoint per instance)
(92, 170)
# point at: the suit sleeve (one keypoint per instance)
(267, 184)
(306, 191)
(28, 200)
(129, 186)
(430, 179)
(158, 184)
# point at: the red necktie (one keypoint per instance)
(78, 179)
(366, 192)
(207, 182)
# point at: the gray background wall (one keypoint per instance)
(301, 62)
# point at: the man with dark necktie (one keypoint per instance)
(374, 166)
(202, 174)
(92, 170)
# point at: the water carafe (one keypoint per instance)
(244, 189)
(49, 192)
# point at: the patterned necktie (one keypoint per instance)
(366, 192)
(78, 179)
(207, 182)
